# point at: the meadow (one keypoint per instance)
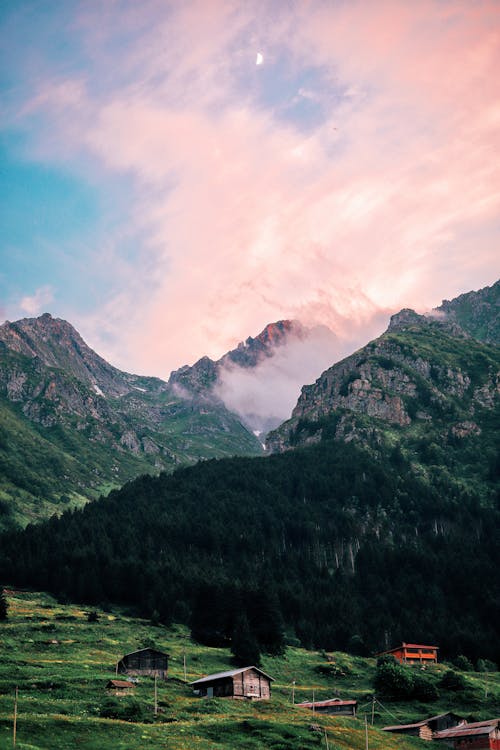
(60, 662)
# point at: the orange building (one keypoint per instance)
(413, 653)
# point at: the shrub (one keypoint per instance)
(130, 710)
(485, 665)
(463, 663)
(392, 680)
(424, 689)
(452, 681)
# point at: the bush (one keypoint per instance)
(463, 663)
(130, 710)
(452, 681)
(485, 665)
(424, 689)
(392, 680)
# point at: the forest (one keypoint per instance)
(333, 546)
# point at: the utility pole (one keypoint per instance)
(366, 733)
(156, 695)
(14, 732)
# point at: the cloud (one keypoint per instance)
(37, 302)
(264, 396)
(246, 214)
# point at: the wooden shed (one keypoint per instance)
(334, 706)
(120, 687)
(413, 653)
(248, 683)
(479, 735)
(426, 728)
(146, 661)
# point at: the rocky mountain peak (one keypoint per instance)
(57, 344)
(404, 319)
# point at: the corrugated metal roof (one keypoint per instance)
(230, 673)
(476, 728)
(120, 684)
(407, 645)
(418, 724)
(329, 702)
(141, 650)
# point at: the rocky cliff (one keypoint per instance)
(424, 376)
(64, 407)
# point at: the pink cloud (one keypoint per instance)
(252, 218)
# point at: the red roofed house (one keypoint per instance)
(413, 653)
(332, 706)
(479, 735)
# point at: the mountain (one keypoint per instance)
(425, 385)
(376, 519)
(73, 425)
(261, 379)
(477, 313)
(248, 354)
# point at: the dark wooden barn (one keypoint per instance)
(146, 661)
(248, 683)
(334, 706)
(426, 728)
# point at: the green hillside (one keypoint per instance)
(64, 441)
(327, 542)
(60, 663)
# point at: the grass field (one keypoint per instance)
(60, 664)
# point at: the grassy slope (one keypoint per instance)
(61, 689)
(47, 470)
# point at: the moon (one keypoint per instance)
(259, 59)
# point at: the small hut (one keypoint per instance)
(119, 687)
(146, 662)
(426, 728)
(248, 683)
(334, 706)
(483, 735)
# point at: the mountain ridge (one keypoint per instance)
(422, 370)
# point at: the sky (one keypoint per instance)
(176, 175)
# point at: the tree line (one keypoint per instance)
(333, 546)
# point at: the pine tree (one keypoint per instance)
(3, 605)
(244, 646)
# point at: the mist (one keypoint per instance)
(265, 395)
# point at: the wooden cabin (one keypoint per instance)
(247, 683)
(426, 728)
(145, 662)
(334, 706)
(479, 735)
(119, 687)
(413, 653)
